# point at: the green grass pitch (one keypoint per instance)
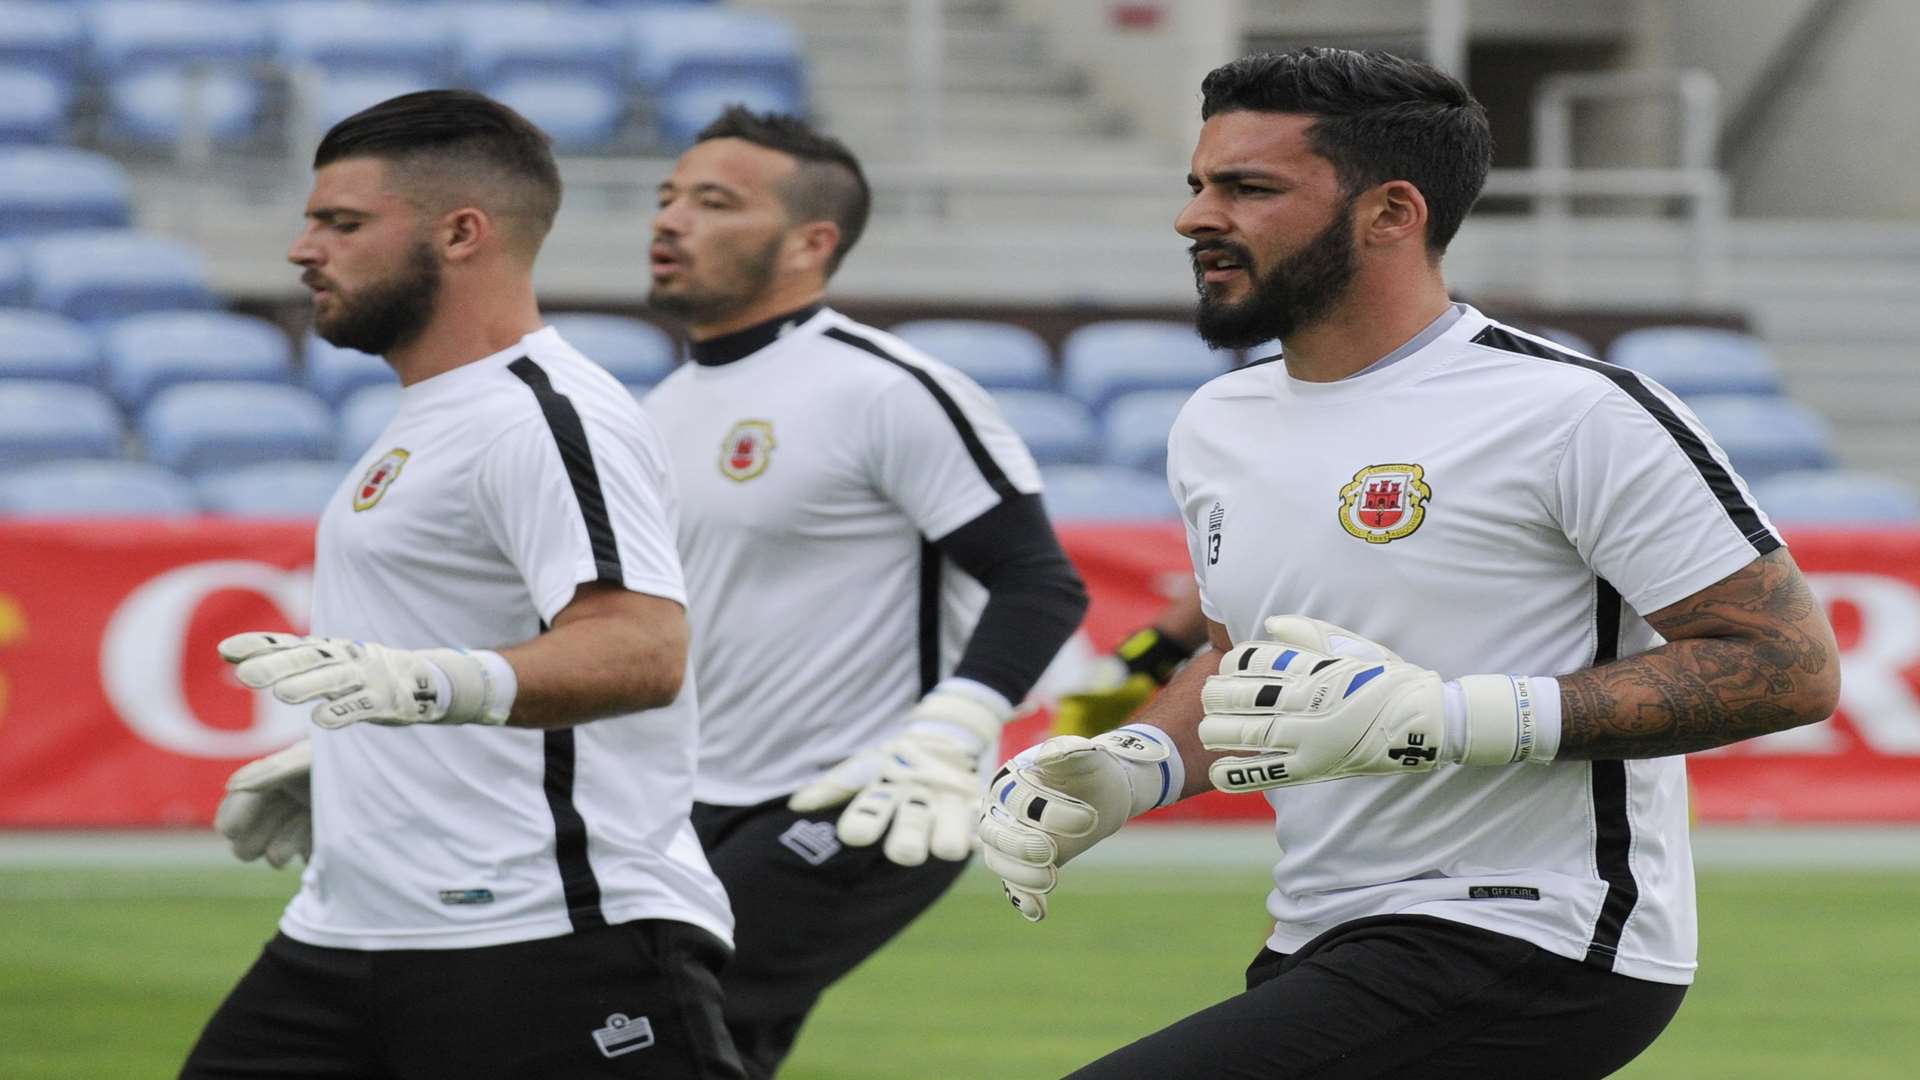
(110, 973)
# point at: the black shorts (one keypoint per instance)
(1409, 997)
(806, 910)
(638, 999)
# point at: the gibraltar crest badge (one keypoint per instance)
(747, 449)
(380, 477)
(1384, 502)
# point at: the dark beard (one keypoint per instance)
(1296, 292)
(748, 280)
(386, 315)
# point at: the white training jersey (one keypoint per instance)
(1485, 504)
(814, 475)
(497, 489)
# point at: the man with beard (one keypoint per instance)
(503, 880)
(875, 585)
(1480, 874)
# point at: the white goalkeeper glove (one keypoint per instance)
(1055, 800)
(921, 788)
(359, 682)
(265, 811)
(1314, 702)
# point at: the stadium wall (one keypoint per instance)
(115, 710)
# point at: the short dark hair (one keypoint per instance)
(457, 133)
(829, 184)
(1379, 117)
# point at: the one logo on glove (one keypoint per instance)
(1385, 502)
(380, 476)
(747, 450)
(623, 1036)
(1415, 753)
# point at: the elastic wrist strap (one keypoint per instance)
(480, 685)
(1155, 783)
(1152, 653)
(1502, 719)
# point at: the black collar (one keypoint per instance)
(741, 344)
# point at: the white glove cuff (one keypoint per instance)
(1502, 719)
(962, 711)
(1157, 781)
(480, 688)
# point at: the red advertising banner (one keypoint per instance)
(116, 711)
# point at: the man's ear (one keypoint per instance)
(1393, 213)
(811, 246)
(463, 232)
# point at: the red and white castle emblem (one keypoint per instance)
(380, 477)
(747, 449)
(1384, 502)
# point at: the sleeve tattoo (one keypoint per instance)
(1747, 656)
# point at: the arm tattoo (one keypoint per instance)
(1749, 655)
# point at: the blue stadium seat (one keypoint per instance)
(60, 489)
(364, 415)
(994, 354)
(1101, 360)
(1058, 429)
(341, 36)
(336, 373)
(45, 189)
(111, 273)
(1105, 493)
(273, 489)
(666, 37)
(498, 40)
(1134, 428)
(13, 275)
(44, 35)
(196, 427)
(42, 345)
(579, 112)
(1838, 497)
(157, 106)
(1691, 360)
(341, 94)
(638, 353)
(1765, 435)
(33, 105)
(41, 420)
(700, 90)
(147, 353)
(132, 35)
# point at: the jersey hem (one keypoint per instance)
(1673, 972)
(502, 934)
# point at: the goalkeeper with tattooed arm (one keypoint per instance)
(1555, 587)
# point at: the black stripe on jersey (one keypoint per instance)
(577, 882)
(570, 436)
(989, 468)
(1613, 829)
(930, 557)
(1743, 514)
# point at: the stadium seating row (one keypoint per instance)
(574, 68)
(299, 489)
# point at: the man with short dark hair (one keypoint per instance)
(874, 583)
(502, 879)
(1480, 874)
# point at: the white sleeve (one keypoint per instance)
(943, 453)
(1200, 532)
(601, 509)
(1651, 503)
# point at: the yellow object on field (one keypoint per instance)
(1096, 711)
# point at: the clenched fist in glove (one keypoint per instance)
(265, 811)
(1313, 702)
(1055, 800)
(359, 682)
(921, 788)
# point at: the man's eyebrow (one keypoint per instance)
(327, 215)
(1228, 176)
(704, 187)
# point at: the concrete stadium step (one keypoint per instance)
(889, 118)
